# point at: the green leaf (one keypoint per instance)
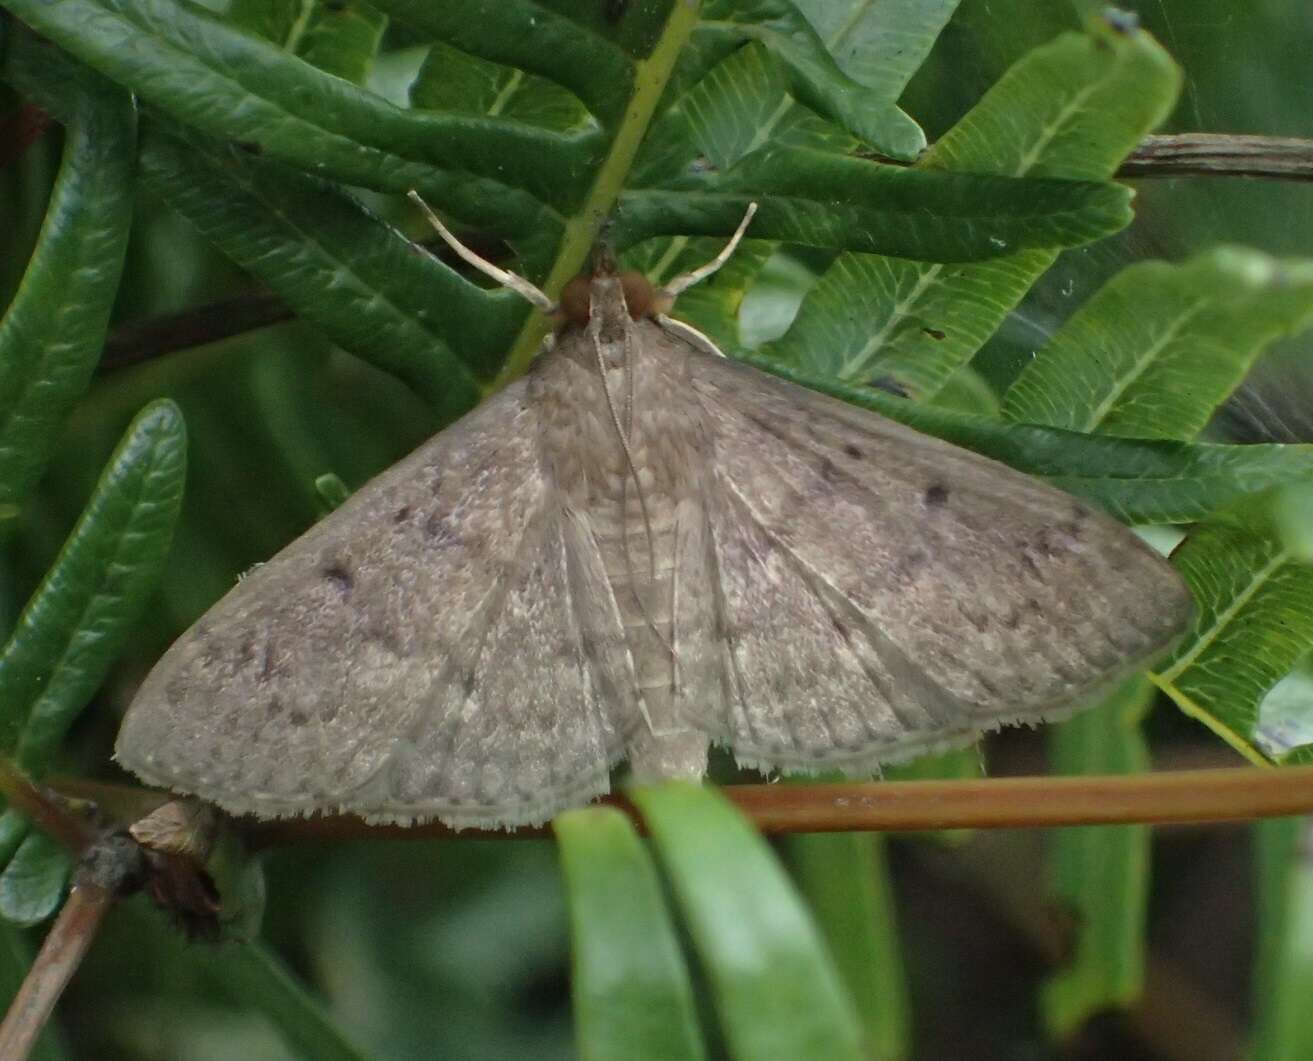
(1072, 109)
(363, 284)
(881, 45)
(820, 199)
(342, 38)
(1254, 623)
(1137, 480)
(632, 997)
(845, 879)
(214, 76)
(52, 332)
(1283, 976)
(78, 618)
(331, 490)
(815, 79)
(274, 20)
(776, 988)
(32, 885)
(1160, 347)
(254, 977)
(1292, 515)
(595, 66)
(1102, 872)
(452, 80)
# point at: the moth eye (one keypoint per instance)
(639, 294)
(575, 299)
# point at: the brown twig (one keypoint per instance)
(67, 941)
(46, 809)
(111, 867)
(1221, 155)
(998, 803)
(130, 344)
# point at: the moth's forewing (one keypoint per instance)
(409, 657)
(919, 594)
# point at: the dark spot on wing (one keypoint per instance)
(852, 451)
(935, 334)
(829, 472)
(936, 494)
(340, 576)
(401, 515)
(297, 717)
(840, 626)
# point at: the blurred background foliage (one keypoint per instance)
(461, 949)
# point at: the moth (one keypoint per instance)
(638, 549)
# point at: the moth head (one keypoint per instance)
(600, 289)
(603, 292)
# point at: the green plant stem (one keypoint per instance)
(581, 231)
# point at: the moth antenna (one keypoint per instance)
(686, 280)
(518, 284)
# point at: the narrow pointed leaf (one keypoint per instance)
(820, 199)
(343, 38)
(560, 46)
(1101, 872)
(208, 73)
(816, 80)
(1137, 480)
(52, 331)
(365, 285)
(1071, 109)
(845, 880)
(632, 996)
(881, 45)
(1160, 347)
(256, 978)
(77, 620)
(274, 20)
(1254, 623)
(1283, 977)
(777, 990)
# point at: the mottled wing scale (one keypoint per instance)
(875, 593)
(415, 655)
